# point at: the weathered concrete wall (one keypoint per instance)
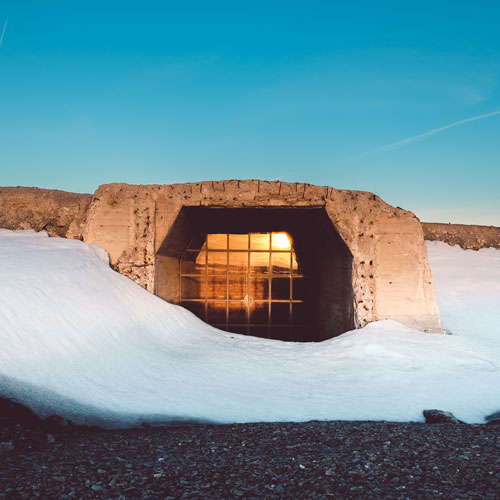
(57, 212)
(391, 275)
(469, 237)
(121, 219)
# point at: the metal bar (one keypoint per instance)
(270, 291)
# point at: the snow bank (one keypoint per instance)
(82, 341)
(467, 286)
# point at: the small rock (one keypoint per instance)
(6, 447)
(113, 480)
(50, 439)
(494, 418)
(440, 417)
(96, 487)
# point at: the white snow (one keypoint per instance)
(80, 340)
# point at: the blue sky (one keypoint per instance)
(163, 92)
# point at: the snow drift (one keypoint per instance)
(80, 340)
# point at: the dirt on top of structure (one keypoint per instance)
(469, 237)
(60, 213)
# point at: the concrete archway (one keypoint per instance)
(377, 249)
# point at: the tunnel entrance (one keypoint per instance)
(268, 272)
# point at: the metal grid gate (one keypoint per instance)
(245, 283)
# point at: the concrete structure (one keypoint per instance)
(364, 259)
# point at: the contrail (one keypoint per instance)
(419, 137)
(3, 33)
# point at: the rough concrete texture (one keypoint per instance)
(57, 212)
(469, 237)
(391, 278)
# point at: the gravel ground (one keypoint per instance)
(369, 460)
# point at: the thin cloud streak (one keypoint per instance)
(3, 32)
(419, 137)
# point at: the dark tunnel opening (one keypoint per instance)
(281, 273)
